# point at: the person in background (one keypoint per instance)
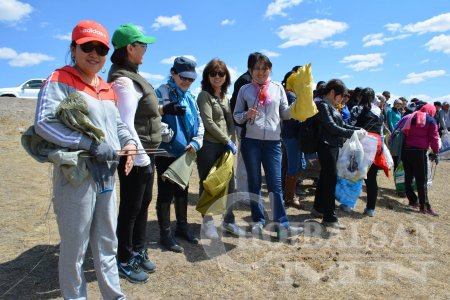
(438, 106)
(218, 121)
(444, 117)
(394, 115)
(241, 172)
(344, 108)
(178, 109)
(294, 158)
(355, 96)
(138, 105)
(404, 104)
(86, 214)
(333, 133)
(261, 105)
(371, 120)
(421, 133)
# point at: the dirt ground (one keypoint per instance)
(398, 254)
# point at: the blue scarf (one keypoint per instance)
(190, 118)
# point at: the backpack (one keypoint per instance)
(396, 141)
(309, 135)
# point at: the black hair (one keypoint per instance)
(119, 56)
(367, 97)
(337, 85)
(320, 89)
(262, 59)
(251, 59)
(286, 76)
(437, 103)
(295, 68)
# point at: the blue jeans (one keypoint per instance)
(295, 158)
(268, 153)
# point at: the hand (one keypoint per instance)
(174, 109)
(130, 151)
(361, 133)
(251, 114)
(231, 146)
(434, 157)
(189, 148)
(102, 152)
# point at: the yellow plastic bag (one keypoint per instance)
(301, 83)
(213, 200)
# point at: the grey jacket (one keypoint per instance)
(267, 125)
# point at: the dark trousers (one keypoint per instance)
(415, 163)
(372, 186)
(324, 200)
(135, 197)
(206, 157)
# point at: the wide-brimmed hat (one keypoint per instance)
(128, 34)
(185, 67)
(90, 31)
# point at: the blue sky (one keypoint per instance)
(396, 45)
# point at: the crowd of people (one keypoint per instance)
(147, 129)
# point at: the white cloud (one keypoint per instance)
(345, 76)
(442, 98)
(424, 61)
(314, 30)
(169, 60)
(378, 39)
(278, 7)
(64, 37)
(270, 53)
(149, 76)
(228, 22)
(440, 23)
(27, 59)
(174, 22)
(393, 27)
(7, 53)
(12, 11)
(335, 44)
(362, 62)
(440, 43)
(415, 78)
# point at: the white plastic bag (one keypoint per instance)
(388, 156)
(351, 159)
(444, 152)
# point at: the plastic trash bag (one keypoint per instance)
(302, 84)
(348, 191)
(444, 152)
(351, 163)
(388, 156)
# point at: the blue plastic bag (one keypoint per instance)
(348, 191)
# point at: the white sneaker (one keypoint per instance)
(209, 230)
(233, 229)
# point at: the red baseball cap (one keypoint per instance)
(88, 31)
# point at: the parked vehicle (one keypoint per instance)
(29, 89)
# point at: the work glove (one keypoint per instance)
(174, 109)
(434, 157)
(231, 146)
(102, 152)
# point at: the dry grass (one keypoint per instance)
(396, 254)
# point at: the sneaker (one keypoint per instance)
(345, 208)
(369, 212)
(429, 211)
(132, 271)
(413, 206)
(144, 262)
(233, 229)
(209, 230)
(257, 230)
(316, 213)
(335, 225)
(284, 233)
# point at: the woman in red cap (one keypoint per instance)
(86, 213)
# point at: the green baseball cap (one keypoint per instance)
(128, 34)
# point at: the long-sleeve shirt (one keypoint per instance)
(444, 118)
(393, 117)
(424, 137)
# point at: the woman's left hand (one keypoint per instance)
(189, 148)
(130, 158)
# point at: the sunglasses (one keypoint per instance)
(186, 79)
(101, 49)
(214, 74)
(140, 44)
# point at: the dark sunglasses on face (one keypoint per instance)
(186, 79)
(101, 49)
(214, 74)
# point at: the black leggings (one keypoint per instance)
(415, 163)
(372, 186)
